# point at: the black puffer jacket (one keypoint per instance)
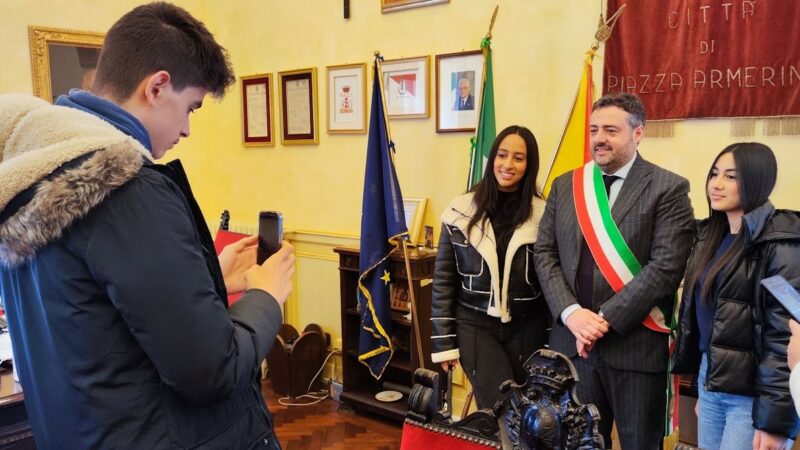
(467, 274)
(750, 331)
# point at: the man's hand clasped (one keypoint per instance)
(587, 327)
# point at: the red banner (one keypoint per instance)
(703, 58)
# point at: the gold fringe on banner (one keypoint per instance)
(772, 126)
(743, 127)
(790, 126)
(660, 128)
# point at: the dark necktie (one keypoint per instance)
(586, 262)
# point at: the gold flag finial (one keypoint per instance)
(491, 24)
(605, 28)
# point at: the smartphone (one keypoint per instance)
(784, 293)
(270, 234)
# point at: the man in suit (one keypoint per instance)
(622, 364)
(465, 100)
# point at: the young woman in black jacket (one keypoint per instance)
(732, 332)
(488, 311)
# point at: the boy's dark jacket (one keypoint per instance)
(114, 295)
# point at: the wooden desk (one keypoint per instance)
(14, 430)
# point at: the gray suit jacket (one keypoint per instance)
(655, 217)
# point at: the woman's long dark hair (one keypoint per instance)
(756, 171)
(486, 196)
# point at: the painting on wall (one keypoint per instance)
(405, 85)
(399, 5)
(62, 60)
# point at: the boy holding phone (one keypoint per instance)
(115, 298)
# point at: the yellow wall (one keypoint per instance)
(538, 50)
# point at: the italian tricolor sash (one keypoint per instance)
(615, 259)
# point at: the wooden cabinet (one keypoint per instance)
(15, 433)
(359, 386)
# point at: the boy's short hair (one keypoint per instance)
(161, 36)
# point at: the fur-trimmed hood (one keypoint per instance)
(36, 140)
(458, 214)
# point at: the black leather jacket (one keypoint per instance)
(750, 330)
(463, 275)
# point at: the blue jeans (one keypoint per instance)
(725, 421)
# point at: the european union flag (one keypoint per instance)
(382, 226)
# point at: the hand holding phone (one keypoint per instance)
(270, 234)
(784, 293)
(275, 275)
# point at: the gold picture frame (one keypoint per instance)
(399, 5)
(258, 120)
(44, 41)
(347, 98)
(299, 115)
(414, 211)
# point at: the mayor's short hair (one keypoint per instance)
(629, 103)
(161, 36)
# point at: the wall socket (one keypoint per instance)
(336, 390)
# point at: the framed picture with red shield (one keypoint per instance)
(347, 100)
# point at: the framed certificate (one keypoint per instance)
(347, 99)
(257, 124)
(299, 107)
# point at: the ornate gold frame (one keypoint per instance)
(40, 38)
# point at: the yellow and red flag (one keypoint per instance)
(573, 149)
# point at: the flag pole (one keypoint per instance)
(603, 33)
(491, 24)
(378, 59)
(402, 242)
(473, 159)
(414, 308)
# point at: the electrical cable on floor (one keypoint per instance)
(315, 396)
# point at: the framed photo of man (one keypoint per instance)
(459, 85)
(405, 85)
